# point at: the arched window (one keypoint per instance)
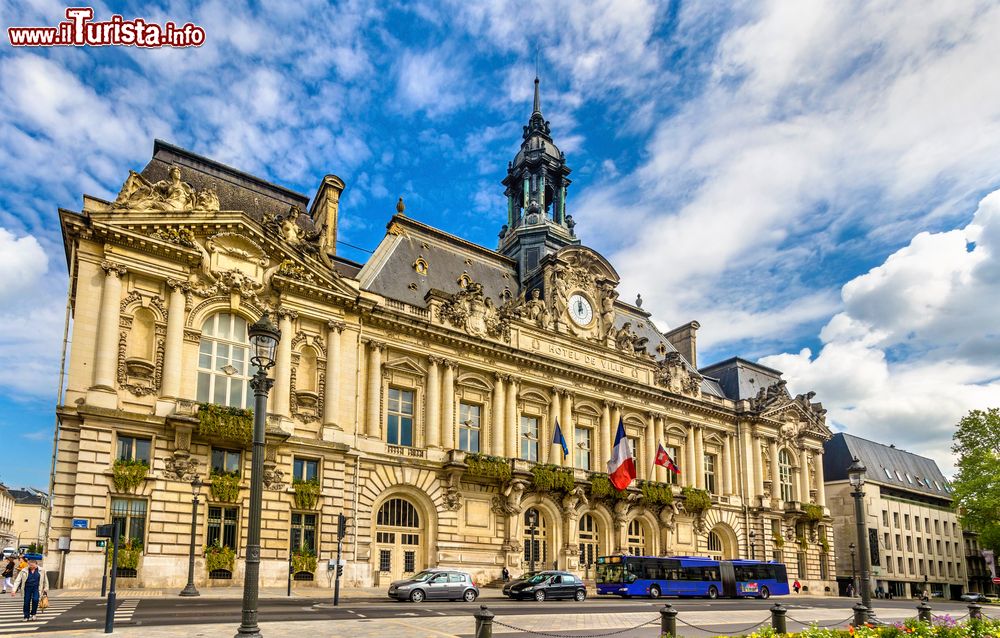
(143, 335)
(636, 540)
(785, 475)
(398, 512)
(589, 547)
(223, 364)
(535, 547)
(398, 538)
(714, 546)
(305, 380)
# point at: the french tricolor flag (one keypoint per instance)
(621, 467)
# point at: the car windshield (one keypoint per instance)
(538, 578)
(423, 576)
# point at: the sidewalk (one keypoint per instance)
(354, 594)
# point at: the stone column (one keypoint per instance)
(433, 402)
(750, 474)
(758, 466)
(699, 457)
(448, 406)
(374, 416)
(498, 431)
(734, 467)
(804, 474)
(331, 389)
(690, 473)
(650, 448)
(513, 422)
(283, 364)
(772, 451)
(820, 487)
(568, 429)
(173, 347)
(106, 355)
(727, 465)
(605, 440)
(555, 412)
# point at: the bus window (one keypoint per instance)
(609, 573)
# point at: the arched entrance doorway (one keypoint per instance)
(635, 541)
(398, 539)
(590, 548)
(714, 546)
(721, 543)
(536, 548)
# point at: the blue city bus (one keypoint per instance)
(628, 576)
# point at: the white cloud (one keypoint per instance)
(917, 344)
(22, 262)
(431, 81)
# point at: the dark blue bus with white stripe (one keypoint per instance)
(694, 576)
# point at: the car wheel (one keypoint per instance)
(417, 596)
(654, 592)
(713, 593)
(469, 596)
(581, 595)
(540, 595)
(765, 593)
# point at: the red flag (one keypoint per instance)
(662, 458)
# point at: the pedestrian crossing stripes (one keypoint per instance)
(124, 611)
(12, 614)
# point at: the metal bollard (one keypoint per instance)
(924, 612)
(860, 615)
(668, 621)
(484, 622)
(975, 611)
(778, 622)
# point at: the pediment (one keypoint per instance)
(406, 365)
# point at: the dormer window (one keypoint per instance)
(420, 265)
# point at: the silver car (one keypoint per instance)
(435, 584)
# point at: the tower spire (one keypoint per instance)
(538, 100)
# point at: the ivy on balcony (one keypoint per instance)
(129, 552)
(696, 501)
(552, 478)
(218, 556)
(128, 475)
(225, 486)
(812, 513)
(601, 488)
(485, 466)
(306, 493)
(303, 560)
(655, 494)
(225, 422)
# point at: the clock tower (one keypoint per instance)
(536, 183)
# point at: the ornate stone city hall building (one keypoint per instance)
(416, 393)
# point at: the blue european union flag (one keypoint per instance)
(560, 439)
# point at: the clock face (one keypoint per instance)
(580, 310)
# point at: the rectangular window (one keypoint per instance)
(909, 563)
(888, 564)
(710, 473)
(930, 567)
(222, 526)
(899, 543)
(909, 543)
(671, 477)
(920, 565)
(303, 532)
(927, 525)
(888, 545)
(906, 521)
(916, 524)
(938, 545)
(920, 545)
(132, 448)
(385, 560)
(399, 425)
(937, 528)
(823, 560)
(469, 419)
(582, 441)
(895, 519)
(633, 444)
(899, 564)
(529, 438)
(226, 461)
(802, 564)
(885, 518)
(131, 516)
(305, 470)
(409, 561)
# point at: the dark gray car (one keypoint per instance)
(435, 584)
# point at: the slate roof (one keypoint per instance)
(740, 379)
(28, 496)
(886, 465)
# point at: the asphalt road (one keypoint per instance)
(89, 614)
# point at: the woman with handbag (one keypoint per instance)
(8, 575)
(33, 580)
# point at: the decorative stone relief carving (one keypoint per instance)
(292, 270)
(533, 310)
(294, 227)
(508, 502)
(274, 478)
(180, 236)
(672, 373)
(180, 467)
(170, 194)
(471, 310)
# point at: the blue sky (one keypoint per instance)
(811, 181)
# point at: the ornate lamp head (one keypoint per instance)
(264, 336)
(856, 473)
(196, 484)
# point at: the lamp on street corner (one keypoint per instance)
(190, 589)
(863, 612)
(264, 337)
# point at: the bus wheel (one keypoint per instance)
(654, 592)
(713, 593)
(765, 593)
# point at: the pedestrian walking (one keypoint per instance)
(505, 574)
(850, 590)
(796, 585)
(8, 575)
(32, 581)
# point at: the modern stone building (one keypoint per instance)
(416, 393)
(979, 565)
(915, 536)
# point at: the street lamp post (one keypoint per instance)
(190, 589)
(863, 612)
(532, 523)
(753, 548)
(854, 567)
(264, 336)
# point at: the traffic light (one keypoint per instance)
(341, 526)
(340, 571)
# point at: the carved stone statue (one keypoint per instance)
(170, 194)
(535, 310)
(180, 467)
(560, 300)
(471, 310)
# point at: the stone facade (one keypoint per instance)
(7, 534)
(419, 390)
(31, 516)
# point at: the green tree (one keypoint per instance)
(977, 484)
